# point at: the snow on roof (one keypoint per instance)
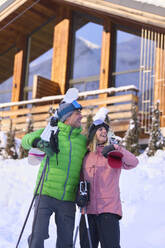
(151, 6)
(89, 43)
(160, 3)
(5, 3)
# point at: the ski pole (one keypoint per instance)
(77, 227)
(87, 226)
(37, 207)
(27, 216)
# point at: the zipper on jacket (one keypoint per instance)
(94, 184)
(68, 164)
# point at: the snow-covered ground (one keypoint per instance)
(142, 194)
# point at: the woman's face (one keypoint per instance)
(101, 135)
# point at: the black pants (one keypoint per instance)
(64, 218)
(104, 228)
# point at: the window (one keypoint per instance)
(127, 60)
(86, 56)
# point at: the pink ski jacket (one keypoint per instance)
(104, 180)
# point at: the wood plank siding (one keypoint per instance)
(44, 87)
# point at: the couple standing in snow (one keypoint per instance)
(67, 152)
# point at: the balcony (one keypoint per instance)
(18, 115)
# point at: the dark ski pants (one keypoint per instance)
(104, 228)
(64, 219)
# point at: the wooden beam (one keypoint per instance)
(62, 48)
(105, 56)
(159, 87)
(19, 74)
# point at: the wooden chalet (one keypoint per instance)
(30, 28)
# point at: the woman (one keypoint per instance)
(101, 168)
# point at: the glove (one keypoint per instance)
(43, 146)
(107, 149)
(83, 197)
(115, 159)
(82, 201)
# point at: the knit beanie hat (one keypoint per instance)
(94, 127)
(66, 109)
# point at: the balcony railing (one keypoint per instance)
(38, 111)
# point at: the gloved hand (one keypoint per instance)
(83, 194)
(43, 146)
(82, 201)
(115, 159)
(107, 149)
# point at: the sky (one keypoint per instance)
(142, 195)
(93, 33)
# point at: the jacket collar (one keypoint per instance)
(99, 148)
(67, 129)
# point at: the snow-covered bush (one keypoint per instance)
(131, 138)
(156, 140)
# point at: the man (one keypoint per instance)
(62, 176)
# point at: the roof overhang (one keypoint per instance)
(117, 10)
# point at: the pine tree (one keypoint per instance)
(88, 122)
(29, 128)
(51, 111)
(131, 138)
(156, 139)
(10, 148)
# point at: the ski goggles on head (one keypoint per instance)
(98, 122)
(76, 105)
(95, 126)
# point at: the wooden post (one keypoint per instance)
(19, 73)
(62, 48)
(159, 87)
(105, 56)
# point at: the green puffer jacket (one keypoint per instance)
(61, 180)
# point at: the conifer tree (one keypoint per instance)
(51, 111)
(29, 128)
(88, 122)
(112, 138)
(156, 139)
(10, 148)
(131, 138)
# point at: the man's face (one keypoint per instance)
(75, 119)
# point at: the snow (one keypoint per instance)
(160, 3)
(142, 195)
(89, 44)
